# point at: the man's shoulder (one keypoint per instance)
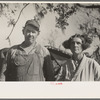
(43, 50)
(13, 49)
(88, 58)
(91, 60)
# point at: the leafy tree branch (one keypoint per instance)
(88, 6)
(8, 38)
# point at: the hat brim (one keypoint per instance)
(59, 54)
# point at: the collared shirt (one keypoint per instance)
(35, 66)
(87, 70)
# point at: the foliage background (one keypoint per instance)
(58, 22)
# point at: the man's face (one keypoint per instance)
(30, 34)
(76, 45)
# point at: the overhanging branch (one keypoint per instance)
(8, 38)
(88, 6)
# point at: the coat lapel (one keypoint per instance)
(80, 68)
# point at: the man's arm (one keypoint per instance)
(48, 67)
(3, 63)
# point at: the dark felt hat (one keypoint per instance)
(33, 23)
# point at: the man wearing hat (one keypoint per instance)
(29, 61)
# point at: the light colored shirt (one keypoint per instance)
(35, 66)
(88, 70)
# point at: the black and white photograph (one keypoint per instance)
(54, 43)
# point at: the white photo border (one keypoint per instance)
(40, 90)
